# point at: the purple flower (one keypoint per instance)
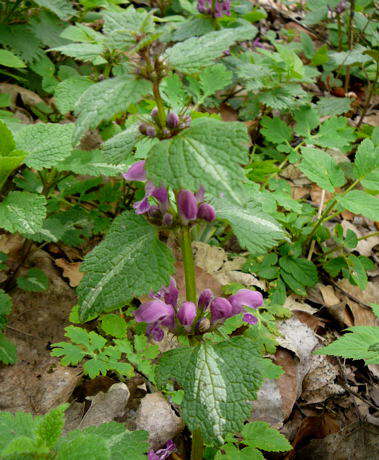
(206, 212)
(187, 205)
(249, 318)
(164, 453)
(151, 131)
(143, 206)
(154, 113)
(171, 293)
(172, 120)
(155, 312)
(156, 332)
(220, 309)
(205, 299)
(136, 172)
(187, 313)
(245, 298)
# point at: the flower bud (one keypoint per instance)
(154, 113)
(167, 220)
(187, 313)
(136, 171)
(220, 308)
(245, 298)
(206, 212)
(187, 205)
(156, 332)
(142, 128)
(249, 318)
(172, 120)
(151, 131)
(205, 298)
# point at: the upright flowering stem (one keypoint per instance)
(197, 448)
(189, 264)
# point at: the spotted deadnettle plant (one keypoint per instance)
(192, 173)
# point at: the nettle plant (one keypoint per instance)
(190, 167)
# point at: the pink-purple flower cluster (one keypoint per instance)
(174, 124)
(191, 206)
(216, 9)
(164, 309)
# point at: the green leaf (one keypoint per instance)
(357, 271)
(214, 79)
(62, 8)
(22, 212)
(5, 303)
(114, 325)
(7, 142)
(105, 99)
(8, 59)
(123, 28)
(78, 446)
(173, 92)
(256, 231)
(8, 355)
(366, 164)
(86, 52)
(359, 202)
(330, 106)
(208, 154)
(13, 426)
(262, 436)
(197, 52)
(350, 57)
(129, 262)
(67, 92)
(46, 143)
(119, 147)
(233, 453)
(72, 354)
(91, 163)
(334, 133)
(218, 380)
(35, 280)
(321, 168)
(275, 130)
(297, 273)
(128, 445)
(50, 427)
(355, 344)
(306, 119)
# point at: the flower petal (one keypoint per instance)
(220, 308)
(153, 312)
(245, 298)
(136, 172)
(187, 313)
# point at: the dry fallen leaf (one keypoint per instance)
(70, 271)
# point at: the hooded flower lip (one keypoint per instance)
(245, 298)
(172, 120)
(205, 298)
(156, 332)
(155, 311)
(136, 172)
(187, 205)
(187, 313)
(164, 453)
(220, 308)
(206, 212)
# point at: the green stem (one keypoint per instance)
(327, 210)
(160, 106)
(189, 264)
(369, 96)
(197, 445)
